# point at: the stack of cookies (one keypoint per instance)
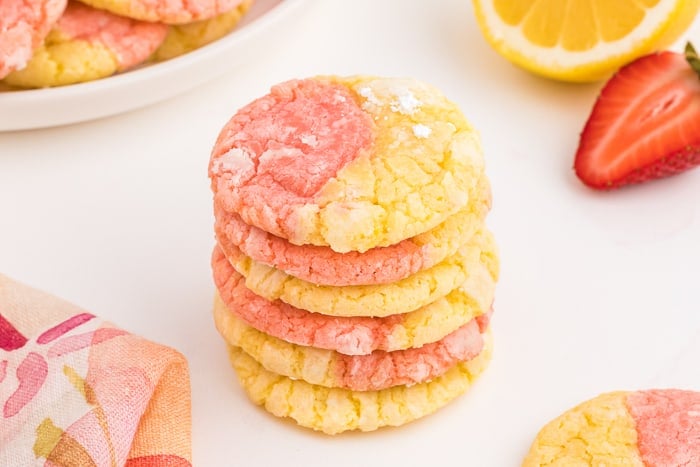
(355, 274)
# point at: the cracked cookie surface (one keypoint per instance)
(351, 163)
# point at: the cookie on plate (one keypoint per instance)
(166, 11)
(356, 335)
(24, 25)
(352, 163)
(87, 44)
(335, 410)
(403, 296)
(184, 38)
(658, 427)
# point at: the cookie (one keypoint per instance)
(641, 428)
(87, 44)
(381, 265)
(382, 300)
(185, 38)
(335, 410)
(378, 370)
(355, 335)
(352, 163)
(23, 26)
(166, 11)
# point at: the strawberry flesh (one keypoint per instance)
(645, 124)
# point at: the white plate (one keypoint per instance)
(22, 110)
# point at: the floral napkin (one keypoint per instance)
(78, 391)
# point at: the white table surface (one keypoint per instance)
(599, 291)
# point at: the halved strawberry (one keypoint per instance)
(645, 123)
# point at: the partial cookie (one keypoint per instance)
(381, 265)
(87, 44)
(378, 370)
(23, 26)
(352, 163)
(355, 335)
(185, 38)
(335, 410)
(382, 300)
(640, 428)
(166, 11)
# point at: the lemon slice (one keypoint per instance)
(581, 40)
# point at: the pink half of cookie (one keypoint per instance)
(263, 167)
(23, 26)
(347, 335)
(380, 369)
(131, 41)
(668, 426)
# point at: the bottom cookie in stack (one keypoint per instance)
(333, 410)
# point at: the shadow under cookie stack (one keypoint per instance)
(355, 275)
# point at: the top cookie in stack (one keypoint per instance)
(352, 258)
(351, 164)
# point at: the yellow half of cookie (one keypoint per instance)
(598, 432)
(61, 61)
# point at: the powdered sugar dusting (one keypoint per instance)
(370, 98)
(399, 98)
(406, 103)
(421, 131)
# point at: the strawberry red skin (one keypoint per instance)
(644, 125)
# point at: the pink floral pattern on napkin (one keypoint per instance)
(77, 391)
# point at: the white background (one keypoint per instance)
(599, 291)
